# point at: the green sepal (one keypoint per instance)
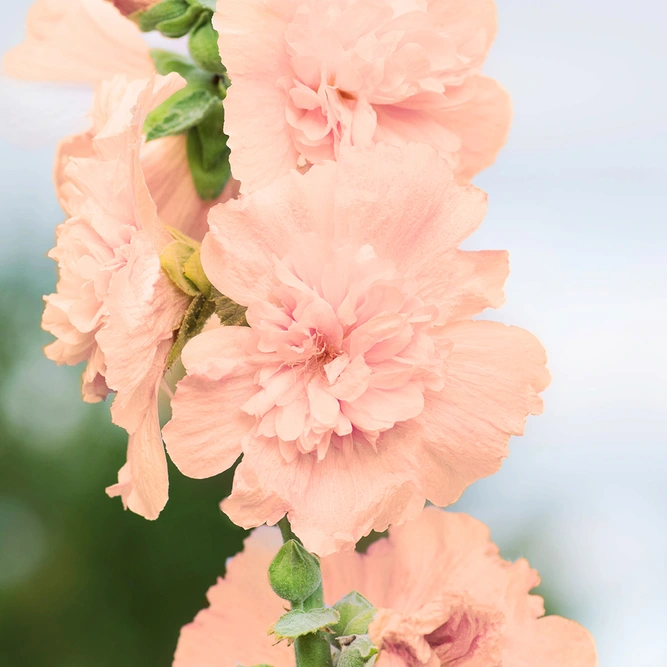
(194, 272)
(298, 622)
(181, 25)
(213, 139)
(173, 260)
(294, 573)
(209, 181)
(229, 312)
(356, 651)
(166, 62)
(354, 610)
(203, 45)
(196, 316)
(183, 110)
(167, 10)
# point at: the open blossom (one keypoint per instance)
(328, 73)
(362, 386)
(90, 41)
(445, 598)
(114, 307)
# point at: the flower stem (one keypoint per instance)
(313, 650)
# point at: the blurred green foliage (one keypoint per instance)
(92, 584)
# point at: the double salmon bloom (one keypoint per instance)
(360, 385)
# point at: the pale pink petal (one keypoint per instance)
(233, 630)
(374, 185)
(207, 425)
(481, 115)
(493, 377)
(551, 642)
(247, 234)
(145, 308)
(252, 38)
(369, 490)
(143, 482)
(78, 41)
(165, 167)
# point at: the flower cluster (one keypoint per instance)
(314, 319)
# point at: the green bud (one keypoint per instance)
(209, 179)
(173, 260)
(353, 606)
(163, 11)
(359, 624)
(294, 573)
(194, 272)
(203, 44)
(181, 25)
(166, 62)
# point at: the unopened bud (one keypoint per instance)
(203, 44)
(356, 612)
(358, 652)
(294, 573)
(173, 18)
(129, 7)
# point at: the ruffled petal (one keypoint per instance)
(78, 41)
(233, 629)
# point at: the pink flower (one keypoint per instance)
(328, 73)
(79, 41)
(89, 41)
(114, 307)
(361, 386)
(444, 598)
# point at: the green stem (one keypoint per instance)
(312, 650)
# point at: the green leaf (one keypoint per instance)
(209, 181)
(181, 25)
(359, 624)
(163, 11)
(357, 651)
(349, 607)
(203, 45)
(213, 138)
(229, 312)
(182, 111)
(298, 622)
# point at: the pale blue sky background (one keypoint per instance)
(579, 197)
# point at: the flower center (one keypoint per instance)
(343, 351)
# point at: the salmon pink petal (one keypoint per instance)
(143, 482)
(233, 630)
(369, 490)
(78, 41)
(246, 235)
(493, 375)
(252, 45)
(481, 116)
(207, 427)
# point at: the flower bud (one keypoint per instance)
(359, 652)
(203, 45)
(356, 612)
(129, 7)
(173, 18)
(294, 573)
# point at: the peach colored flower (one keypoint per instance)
(114, 307)
(310, 76)
(78, 41)
(445, 598)
(361, 386)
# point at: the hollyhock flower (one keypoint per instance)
(90, 41)
(78, 41)
(444, 598)
(328, 73)
(114, 307)
(361, 386)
